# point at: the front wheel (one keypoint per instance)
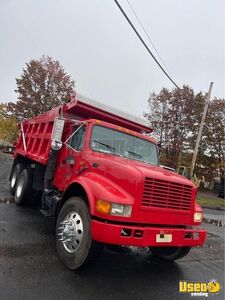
(73, 233)
(170, 253)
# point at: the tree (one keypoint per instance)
(213, 138)
(174, 115)
(3, 109)
(8, 126)
(43, 84)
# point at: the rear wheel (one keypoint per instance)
(17, 169)
(73, 234)
(23, 191)
(170, 253)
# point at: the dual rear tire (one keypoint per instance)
(17, 169)
(21, 182)
(23, 191)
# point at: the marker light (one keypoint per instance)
(198, 216)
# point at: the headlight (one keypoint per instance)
(113, 209)
(198, 216)
(121, 210)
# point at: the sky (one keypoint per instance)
(97, 47)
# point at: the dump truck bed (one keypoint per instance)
(35, 138)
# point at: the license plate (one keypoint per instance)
(164, 238)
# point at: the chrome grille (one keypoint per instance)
(165, 194)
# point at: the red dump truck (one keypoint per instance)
(96, 170)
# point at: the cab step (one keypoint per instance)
(50, 202)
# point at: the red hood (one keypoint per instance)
(130, 176)
(157, 173)
(128, 173)
(152, 171)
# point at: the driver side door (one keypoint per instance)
(71, 157)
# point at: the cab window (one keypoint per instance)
(77, 140)
(114, 142)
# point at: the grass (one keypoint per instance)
(211, 202)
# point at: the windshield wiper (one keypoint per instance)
(134, 153)
(106, 145)
(137, 155)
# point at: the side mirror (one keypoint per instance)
(57, 134)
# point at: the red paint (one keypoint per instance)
(111, 234)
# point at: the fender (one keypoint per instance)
(198, 208)
(99, 187)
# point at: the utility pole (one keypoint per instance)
(200, 130)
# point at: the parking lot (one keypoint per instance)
(30, 268)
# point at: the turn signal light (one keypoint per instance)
(103, 207)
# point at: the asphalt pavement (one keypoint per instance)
(6, 161)
(31, 269)
(213, 216)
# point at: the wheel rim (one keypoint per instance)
(19, 187)
(70, 232)
(13, 180)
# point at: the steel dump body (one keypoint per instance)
(36, 143)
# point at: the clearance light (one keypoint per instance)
(113, 209)
(198, 216)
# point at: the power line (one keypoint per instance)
(147, 35)
(143, 42)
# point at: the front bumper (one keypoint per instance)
(146, 236)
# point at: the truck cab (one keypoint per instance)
(104, 185)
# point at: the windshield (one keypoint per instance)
(111, 141)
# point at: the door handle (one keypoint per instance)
(70, 160)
